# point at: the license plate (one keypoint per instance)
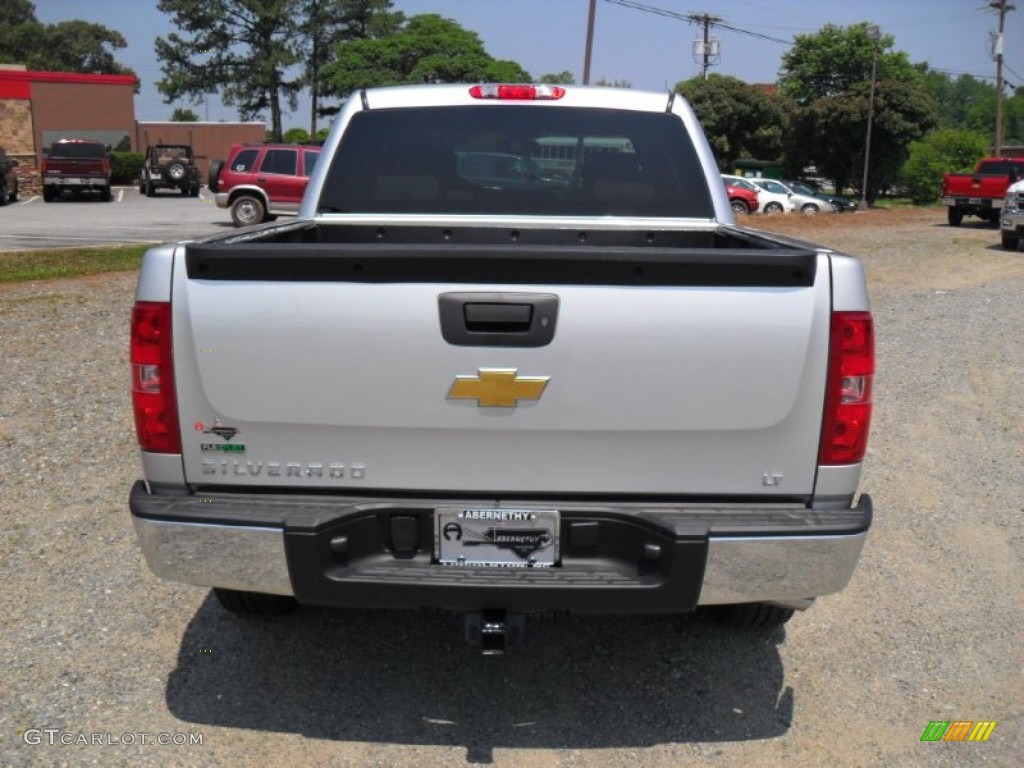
(509, 538)
(73, 181)
(975, 201)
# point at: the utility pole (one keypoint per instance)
(708, 49)
(875, 34)
(590, 42)
(1003, 7)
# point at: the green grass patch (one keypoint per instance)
(895, 203)
(69, 262)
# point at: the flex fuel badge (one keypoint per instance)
(222, 448)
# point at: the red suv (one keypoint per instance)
(741, 200)
(260, 182)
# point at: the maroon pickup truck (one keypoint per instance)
(980, 193)
(78, 165)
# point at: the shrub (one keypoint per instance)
(940, 152)
(125, 167)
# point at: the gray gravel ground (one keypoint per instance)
(91, 643)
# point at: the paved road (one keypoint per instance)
(128, 218)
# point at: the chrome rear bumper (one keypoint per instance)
(779, 567)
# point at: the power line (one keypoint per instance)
(694, 18)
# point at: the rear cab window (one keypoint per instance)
(524, 159)
(78, 150)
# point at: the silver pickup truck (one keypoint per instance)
(514, 357)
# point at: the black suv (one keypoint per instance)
(8, 179)
(169, 166)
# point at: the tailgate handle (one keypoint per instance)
(498, 319)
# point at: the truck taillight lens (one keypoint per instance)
(156, 411)
(517, 92)
(851, 367)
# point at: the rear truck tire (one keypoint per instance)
(176, 170)
(1011, 241)
(194, 191)
(752, 615)
(213, 182)
(739, 206)
(48, 195)
(105, 195)
(13, 196)
(142, 186)
(3, 195)
(247, 210)
(150, 189)
(773, 207)
(810, 209)
(954, 216)
(254, 603)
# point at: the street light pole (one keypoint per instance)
(590, 42)
(875, 34)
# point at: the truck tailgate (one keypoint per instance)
(297, 376)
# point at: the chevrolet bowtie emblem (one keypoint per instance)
(501, 387)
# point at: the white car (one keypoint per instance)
(769, 201)
(803, 203)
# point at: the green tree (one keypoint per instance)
(296, 136)
(828, 77)
(738, 119)
(426, 49)
(184, 115)
(831, 133)
(835, 59)
(68, 46)
(942, 151)
(565, 77)
(245, 48)
(328, 23)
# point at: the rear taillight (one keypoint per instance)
(517, 92)
(156, 411)
(851, 367)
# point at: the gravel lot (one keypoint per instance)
(929, 629)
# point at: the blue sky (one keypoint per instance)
(650, 51)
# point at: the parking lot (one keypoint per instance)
(929, 628)
(129, 218)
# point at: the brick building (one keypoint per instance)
(37, 108)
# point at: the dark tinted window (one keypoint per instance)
(311, 158)
(517, 159)
(1003, 167)
(245, 160)
(280, 161)
(77, 150)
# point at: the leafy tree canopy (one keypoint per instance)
(940, 152)
(833, 60)
(296, 136)
(68, 46)
(184, 115)
(831, 132)
(427, 49)
(328, 23)
(738, 119)
(565, 77)
(243, 48)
